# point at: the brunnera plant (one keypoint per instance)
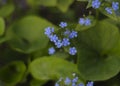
(59, 42)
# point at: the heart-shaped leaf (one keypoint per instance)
(12, 73)
(95, 60)
(27, 35)
(51, 68)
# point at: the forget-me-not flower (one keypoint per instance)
(87, 22)
(65, 42)
(115, 5)
(96, 4)
(109, 10)
(63, 24)
(51, 50)
(58, 44)
(72, 51)
(48, 31)
(73, 34)
(82, 21)
(67, 81)
(53, 38)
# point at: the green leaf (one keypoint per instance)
(95, 61)
(2, 26)
(6, 10)
(37, 83)
(116, 49)
(51, 68)
(95, 67)
(12, 73)
(82, 0)
(89, 4)
(27, 35)
(102, 37)
(42, 2)
(63, 5)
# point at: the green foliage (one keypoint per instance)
(24, 57)
(47, 68)
(34, 39)
(102, 37)
(42, 2)
(12, 73)
(63, 5)
(95, 61)
(7, 10)
(2, 26)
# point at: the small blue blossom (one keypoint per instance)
(81, 84)
(73, 34)
(56, 84)
(72, 51)
(67, 32)
(109, 10)
(65, 42)
(89, 84)
(67, 81)
(63, 24)
(75, 79)
(73, 84)
(96, 4)
(81, 21)
(87, 22)
(49, 31)
(51, 50)
(115, 5)
(53, 38)
(58, 43)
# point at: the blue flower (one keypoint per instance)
(75, 79)
(72, 51)
(67, 32)
(58, 43)
(53, 38)
(73, 84)
(65, 42)
(56, 84)
(96, 4)
(51, 50)
(89, 84)
(81, 84)
(115, 5)
(49, 31)
(67, 81)
(87, 22)
(73, 34)
(63, 24)
(81, 21)
(109, 10)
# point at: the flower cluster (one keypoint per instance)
(114, 6)
(60, 42)
(85, 21)
(71, 82)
